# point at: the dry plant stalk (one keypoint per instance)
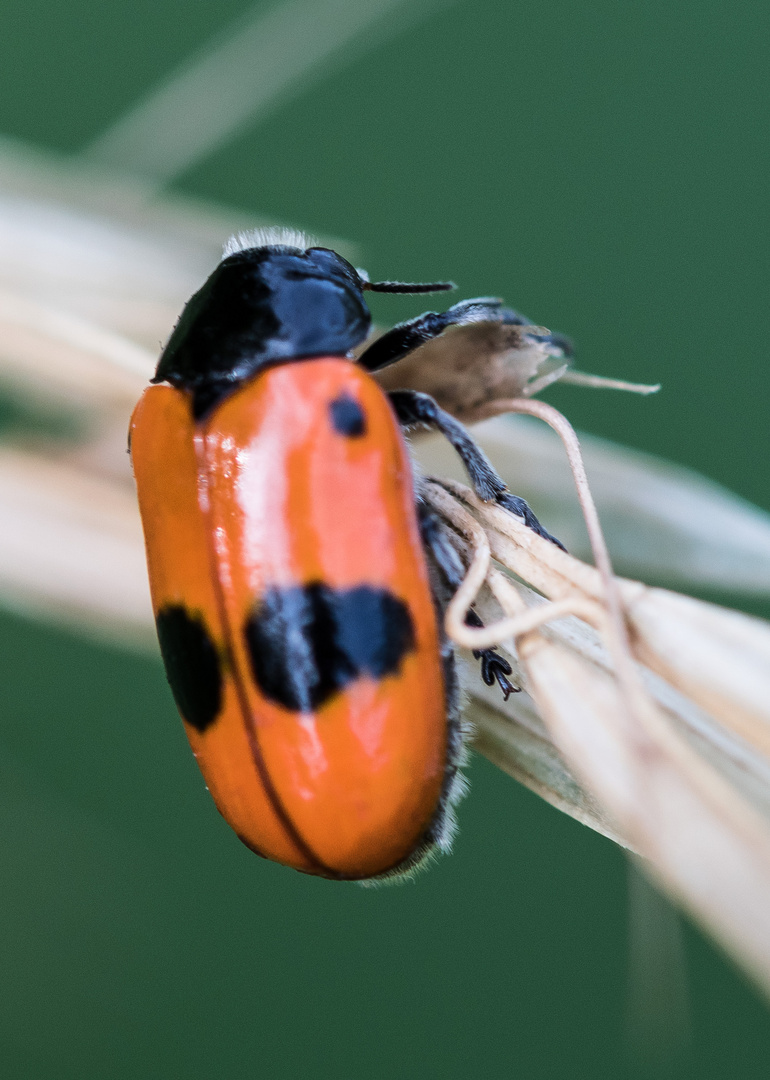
(706, 843)
(645, 714)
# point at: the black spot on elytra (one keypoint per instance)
(192, 665)
(307, 643)
(347, 416)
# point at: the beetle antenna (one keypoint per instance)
(409, 286)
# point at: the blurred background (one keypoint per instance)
(603, 167)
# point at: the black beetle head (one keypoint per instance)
(261, 306)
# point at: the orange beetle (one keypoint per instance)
(295, 577)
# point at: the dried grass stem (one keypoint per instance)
(703, 839)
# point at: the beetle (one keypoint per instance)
(297, 577)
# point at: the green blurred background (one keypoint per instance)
(604, 167)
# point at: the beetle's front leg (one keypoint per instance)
(405, 337)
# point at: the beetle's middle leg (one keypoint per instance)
(413, 408)
(494, 667)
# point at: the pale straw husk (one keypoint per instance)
(645, 714)
(681, 786)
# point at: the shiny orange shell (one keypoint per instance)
(266, 492)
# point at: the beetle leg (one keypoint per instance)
(407, 336)
(413, 408)
(494, 668)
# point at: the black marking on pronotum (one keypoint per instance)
(267, 305)
(263, 306)
(348, 418)
(192, 665)
(308, 642)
